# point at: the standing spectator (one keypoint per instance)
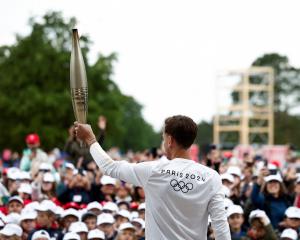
(269, 195)
(33, 156)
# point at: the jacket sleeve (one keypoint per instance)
(217, 212)
(257, 198)
(137, 174)
(270, 233)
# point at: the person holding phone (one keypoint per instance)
(269, 194)
(180, 194)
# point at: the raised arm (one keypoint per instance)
(137, 174)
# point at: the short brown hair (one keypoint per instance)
(183, 129)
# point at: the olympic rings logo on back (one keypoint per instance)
(181, 186)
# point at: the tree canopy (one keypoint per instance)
(35, 92)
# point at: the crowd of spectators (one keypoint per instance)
(64, 195)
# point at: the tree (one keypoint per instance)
(34, 90)
(286, 97)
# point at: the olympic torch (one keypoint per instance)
(78, 81)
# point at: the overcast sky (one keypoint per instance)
(169, 51)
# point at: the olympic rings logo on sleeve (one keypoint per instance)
(181, 186)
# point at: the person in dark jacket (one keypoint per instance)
(268, 194)
(77, 190)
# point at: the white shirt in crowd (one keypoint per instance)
(180, 194)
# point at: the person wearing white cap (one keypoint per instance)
(122, 216)
(260, 226)
(11, 232)
(40, 235)
(28, 222)
(110, 207)
(292, 219)
(139, 225)
(174, 186)
(227, 180)
(235, 215)
(268, 194)
(69, 216)
(71, 236)
(25, 191)
(15, 204)
(80, 228)
(141, 210)
(105, 223)
(126, 231)
(95, 207)
(96, 234)
(289, 234)
(46, 218)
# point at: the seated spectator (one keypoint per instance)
(95, 208)
(46, 220)
(90, 220)
(11, 232)
(289, 234)
(268, 194)
(123, 216)
(15, 204)
(71, 236)
(96, 234)
(139, 225)
(41, 235)
(292, 219)
(105, 223)
(236, 220)
(260, 226)
(68, 217)
(80, 228)
(28, 222)
(126, 231)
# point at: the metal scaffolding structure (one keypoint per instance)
(248, 117)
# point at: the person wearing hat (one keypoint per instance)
(68, 217)
(90, 220)
(126, 231)
(80, 228)
(71, 236)
(141, 210)
(106, 190)
(44, 188)
(96, 234)
(15, 204)
(235, 215)
(28, 222)
(269, 195)
(46, 220)
(123, 216)
(174, 186)
(292, 219)
(77, 190)
(25, 192)
(105, 223)
(33, 156)
(40, 235)
(260, 227)
(94, 207)
(11, 232)
(139, 225)
(289, 234)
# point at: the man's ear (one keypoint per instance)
(170, 140)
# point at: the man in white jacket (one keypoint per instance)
(180, 194)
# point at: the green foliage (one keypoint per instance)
(205, 133)
(34, 91)
(287, 97)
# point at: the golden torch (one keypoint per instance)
(78, 81)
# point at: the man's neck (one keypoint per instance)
(180, 153)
